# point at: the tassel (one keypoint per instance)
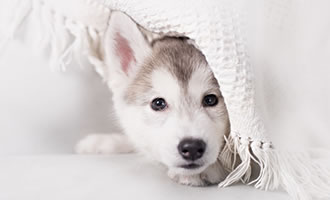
(15, 20)
(68, 39)
(297, 173)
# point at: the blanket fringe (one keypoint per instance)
(68, 39)
(16, 20)
(297, 173)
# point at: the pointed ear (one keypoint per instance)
(126, 46)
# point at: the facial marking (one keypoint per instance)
(165, 85)
(202, 83)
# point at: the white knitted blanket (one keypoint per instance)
(75, 28)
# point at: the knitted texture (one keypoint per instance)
(217, 28)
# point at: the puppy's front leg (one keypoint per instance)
(104, 144)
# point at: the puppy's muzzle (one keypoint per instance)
(191, 149)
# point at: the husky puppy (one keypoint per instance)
(167, 101)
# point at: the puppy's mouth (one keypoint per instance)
(191, 166)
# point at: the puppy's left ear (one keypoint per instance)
(126, 47)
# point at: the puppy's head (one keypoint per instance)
(166, 97)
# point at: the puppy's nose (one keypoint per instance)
(191, 149)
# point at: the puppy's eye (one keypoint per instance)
(158, 104)
(210, 100)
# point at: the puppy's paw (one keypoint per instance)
(190, 180)
(104, 144)
(214, 174)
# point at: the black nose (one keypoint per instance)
(191, 149)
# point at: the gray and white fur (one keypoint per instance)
(168, 103)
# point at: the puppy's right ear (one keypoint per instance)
(126, 47)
